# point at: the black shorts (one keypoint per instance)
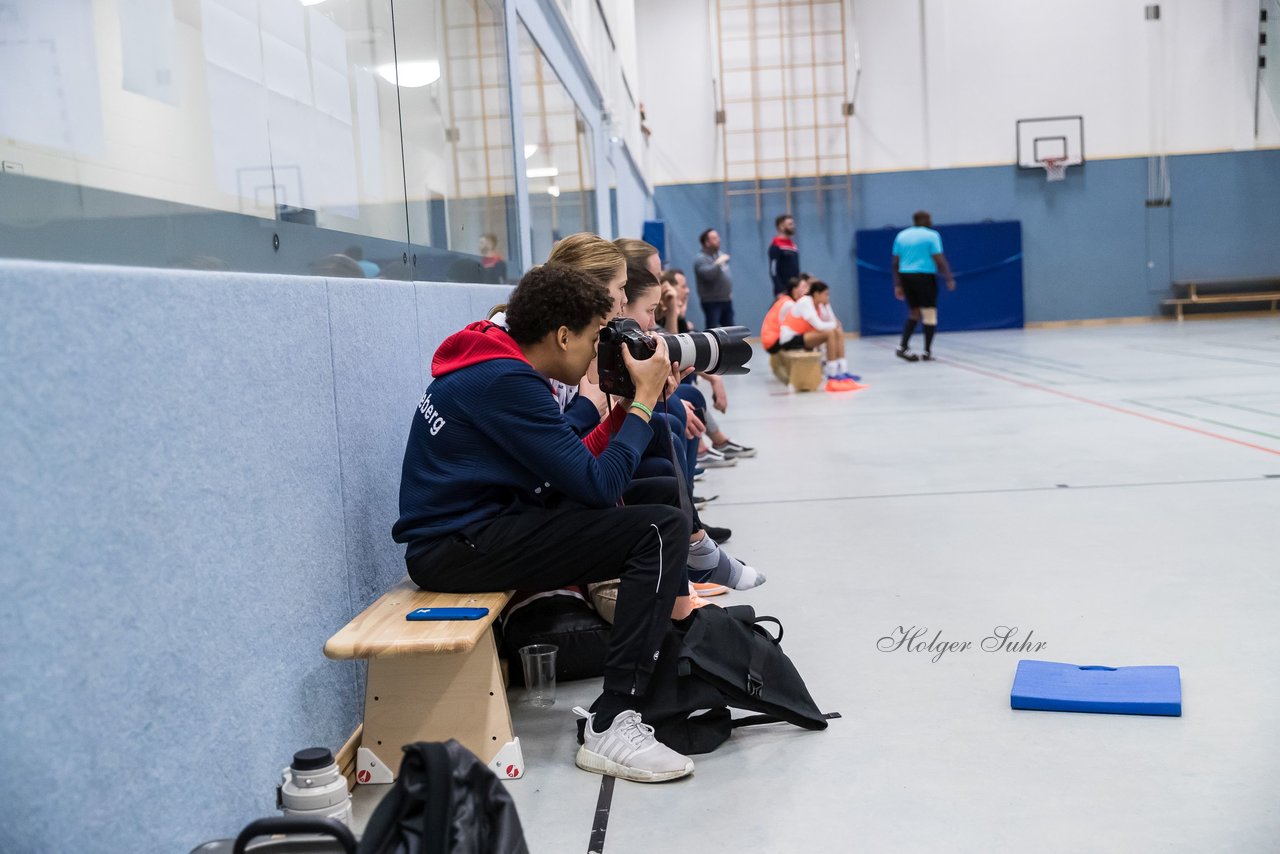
(796, 343)
(920, 289)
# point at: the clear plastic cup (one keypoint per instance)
(539, 662)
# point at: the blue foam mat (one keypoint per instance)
(1056, 687)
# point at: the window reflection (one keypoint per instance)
(558, 153)
(458, 155)
(259, 135)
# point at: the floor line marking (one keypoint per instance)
(1190, 355)
(1109, 406)
(997, 491)
(1236, 406)
(1205, 420)
(600, 820)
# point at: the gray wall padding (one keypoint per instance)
(201, 474)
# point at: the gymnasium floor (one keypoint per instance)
(1110, 489)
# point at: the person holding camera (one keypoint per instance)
(498, 492)
(710, 565)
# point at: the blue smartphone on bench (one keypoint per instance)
(447, 614)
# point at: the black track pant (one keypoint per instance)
(646, 545)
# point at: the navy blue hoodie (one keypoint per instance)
(488, 438)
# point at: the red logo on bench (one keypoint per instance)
(513, 771)
(364, 776)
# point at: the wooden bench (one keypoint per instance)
(429, 681)
(804, 369)
(1224, 291)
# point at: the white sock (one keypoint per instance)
(709, 562)
(831, 368)
(842, 365)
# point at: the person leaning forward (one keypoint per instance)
(498, 492)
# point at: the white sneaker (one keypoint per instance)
(627, 749)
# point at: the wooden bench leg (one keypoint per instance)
(435, 698)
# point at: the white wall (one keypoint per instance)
(1182, 84)
(676, 62)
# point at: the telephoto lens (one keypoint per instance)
(313, 786)
(714, 351)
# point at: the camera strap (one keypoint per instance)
(686, 503)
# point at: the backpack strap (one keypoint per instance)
(427, 772)
(755, 669)
(759, 653)
(755, 720)
(758, 620)
(438, 820)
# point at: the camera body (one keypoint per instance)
(618, 333)
(715, 351)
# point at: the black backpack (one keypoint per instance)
(444, 801)
(722, 658)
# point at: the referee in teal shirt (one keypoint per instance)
(917, 258)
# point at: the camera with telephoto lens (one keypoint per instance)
(715, 351)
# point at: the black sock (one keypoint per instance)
(608, 706)
(928, 337)
(907, 329)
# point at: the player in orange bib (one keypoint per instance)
(771, 327)
(811, 321)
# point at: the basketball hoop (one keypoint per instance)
(1055, 168)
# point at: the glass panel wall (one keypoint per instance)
(259, 135)
(459, 164)
(559, 153)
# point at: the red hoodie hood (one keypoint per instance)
(477, 342)
(784, 242)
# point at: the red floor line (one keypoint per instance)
(1113, 408)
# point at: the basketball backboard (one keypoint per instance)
(1055, 138)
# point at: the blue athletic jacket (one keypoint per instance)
(488, 438)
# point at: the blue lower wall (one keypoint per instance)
(1087, 240)
(201, 473)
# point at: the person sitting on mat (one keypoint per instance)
(498, 492)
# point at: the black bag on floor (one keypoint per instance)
(564, 619)
(445, 801)
(723, 658)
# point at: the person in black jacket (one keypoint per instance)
(784, 255)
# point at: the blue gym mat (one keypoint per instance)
(1055, 687)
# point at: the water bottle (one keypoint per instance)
(313, 786)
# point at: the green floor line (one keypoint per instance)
(1205, 420)
(1237, 406)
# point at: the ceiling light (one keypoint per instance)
(529, 150)
(410, 75)
(310, 2)
(543, 172)
(554, 191)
